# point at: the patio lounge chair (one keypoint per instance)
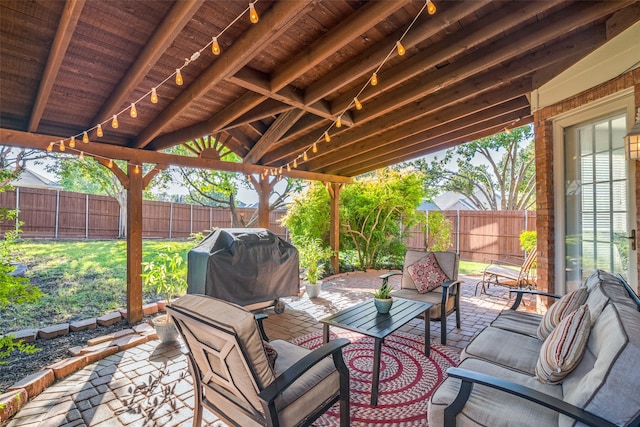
(445, 297)
(499, 273)
(234, 378)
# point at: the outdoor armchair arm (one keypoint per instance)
(288, 377)
(385, 277)
(521, 292)
(469, 378)
(259, 318)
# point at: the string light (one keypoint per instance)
(114, 122)
(215, 46)
(85, 137)
(327, 137)
(295, 163)
(154, 96)
(339, 122)
(314, 148)
(61, 145)
(374, 79)
(179, 80)
(50, 147)
(72, 142)
(133, 112)
(305, 157)
(110, 164)
(358, 103)
(253, 15)
(99, 131)
(401, 49)
(137, 169)
(288, 167)
(431, 8)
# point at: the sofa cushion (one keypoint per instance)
(509, 349)
(606, 380)
(490, 407)
(563, 349)
(561, 309)
(426, 273)
(522, 322)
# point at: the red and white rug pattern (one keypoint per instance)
(407, 378)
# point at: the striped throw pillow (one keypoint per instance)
(560, 309)
(563, 349)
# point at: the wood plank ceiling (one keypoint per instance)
(279, 84)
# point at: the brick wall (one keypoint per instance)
(544, 168)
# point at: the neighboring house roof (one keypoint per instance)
(31, 179)
(428, 206)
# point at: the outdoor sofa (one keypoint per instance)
(504, 377)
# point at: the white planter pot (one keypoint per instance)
(313, 289)
(165, 329)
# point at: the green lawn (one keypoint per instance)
(80, 279)
(83, 279)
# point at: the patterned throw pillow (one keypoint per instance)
(560, 309)
(563, 349)
(427, 274)
(271, 352)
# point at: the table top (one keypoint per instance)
(365, 319)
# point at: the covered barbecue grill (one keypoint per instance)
(251, 267)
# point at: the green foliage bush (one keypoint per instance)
(313, 257)
(438, 230)
(164, 274)
(528, 240)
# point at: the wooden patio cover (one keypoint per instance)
(278, 85)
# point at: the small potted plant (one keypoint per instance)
(312, 255)
(382, 298)
(165, 277)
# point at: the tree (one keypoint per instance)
(505, 180)
(219, 188)
(308, 214)
(15, 159)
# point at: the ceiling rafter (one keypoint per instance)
(275, 131)
(171, 26)
(274, 22)
(66, 28)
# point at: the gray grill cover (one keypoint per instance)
(244, 266)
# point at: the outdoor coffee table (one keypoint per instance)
(365, 319)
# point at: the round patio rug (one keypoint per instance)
(407, 378)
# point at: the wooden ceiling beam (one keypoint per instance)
(504, 114)
(15, 138)
(271, 136)
(66, 28)
(273, 23)
(528, 38)
(171, 26)
(359, 22)
(368, 60)
(460, 43)
(269, 108)
(517, 68)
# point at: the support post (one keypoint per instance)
(264, 187)
(134, 244)
(334, 189)
(57, 212)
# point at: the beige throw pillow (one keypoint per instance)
(559, 310)
(563, 349)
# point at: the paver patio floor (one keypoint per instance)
(101, 393)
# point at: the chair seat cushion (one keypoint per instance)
(509, 349)
(434, 297)
(490, 407)
(503, 272)
(311, 390)
(426, 273)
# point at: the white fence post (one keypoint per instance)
(17, 209)
(190, 219)
(86, 217)
(458, 231)
(57, 211)
(170, 220)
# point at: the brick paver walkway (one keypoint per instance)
(121, 389)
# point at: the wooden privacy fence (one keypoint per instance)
(53, 214)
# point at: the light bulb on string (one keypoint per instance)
(50, 147)
(327, 137)
(82, 156)
(114, 121)
(215, 46)
(137, 169)
(99, 131)
(134, 111)
(314, 147)
(374, 79)
(179, 80)
(358, 103)
(253, 15)
(431, 8)
(85, 137)
(305, 157)
(339, 122)
(72, 142)
(288, 167)
(62, 148)
(280, 170)
(295, 163)
(154, 96)
(110, 164)
(401, 49)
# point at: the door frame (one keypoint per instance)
(620, 102)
